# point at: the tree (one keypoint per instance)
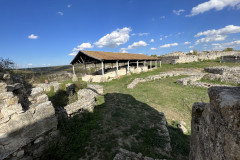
(6, 64)
(228, 49)
(153, 55)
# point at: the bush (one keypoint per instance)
(228, 49)
(195, 52)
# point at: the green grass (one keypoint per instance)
(129, 118)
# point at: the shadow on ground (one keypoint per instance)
(118, 121)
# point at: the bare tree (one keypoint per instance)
(6, 64)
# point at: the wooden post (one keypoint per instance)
(117, 68)
(128, 69)
(160, 64)
(95, 67)
(137, 64)
(150, 64)
(112, 65)
(102, 69)
(85, 66)
(144, 63)
(155, 64)
(73, 70)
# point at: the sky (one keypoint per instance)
(39, 33)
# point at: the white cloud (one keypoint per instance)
(114, 39)
(30, 64)
(60, 13)
(153, 49)
(82, 46)
(219, 46)
(140, 34)
(178, 12)
(213, 4)
(165, 36)
(123, 50)
(211, 39)
(143, 34)
(152, 40)
(223, 31)
(217, 35)
(32, 36)
(160, 39)
(191, 47)
(137, 45)
(186, 43)
(168, 45)
(162, 17)
(72, 54)
(69, 5)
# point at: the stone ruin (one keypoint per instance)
(215, 132)
(231, 58)
(28, 120)
(181, 57)
(112, 74)
(223, 73)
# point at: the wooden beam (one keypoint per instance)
(160, 64)
(117, 68)
(128, 69)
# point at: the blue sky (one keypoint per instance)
(37, 33)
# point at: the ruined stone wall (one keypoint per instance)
(233, 58)
(195, 58)
(215, 132)
(27, 120)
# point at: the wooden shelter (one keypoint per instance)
(87, 57)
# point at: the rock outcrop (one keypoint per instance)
(27, 120)
(215, 132)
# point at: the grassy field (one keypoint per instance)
(129, 118)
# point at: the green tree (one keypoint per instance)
(228, 49)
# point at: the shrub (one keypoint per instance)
(228, 49)
(195, 52)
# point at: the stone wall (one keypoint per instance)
(233, 58)
(86, 101)
(215, 126)
(27, 120)
(195, 58)
(47, 86)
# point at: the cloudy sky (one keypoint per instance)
(50, 32)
